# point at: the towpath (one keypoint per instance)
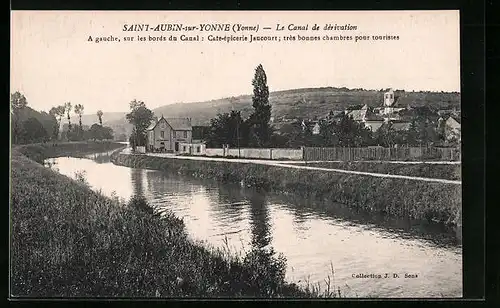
(301, 165)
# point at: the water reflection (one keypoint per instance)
(100, 158)
(310, 233)
(259, 218)
(307, 208)
(137, 182)
(229, 201)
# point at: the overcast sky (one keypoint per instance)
(52, 62)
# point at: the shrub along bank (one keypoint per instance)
(397, 197)
(437, 171)
(70, 241)
(40, 151)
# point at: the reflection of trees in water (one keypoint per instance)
(229, 201)
(160, 182)
(230, 193)
(300, 207)
(137, 178)
(100, 158)
(259, 219)
(156, 182)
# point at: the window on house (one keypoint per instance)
(184, 148)
(162, 134)
(198, 149)
(185, 134)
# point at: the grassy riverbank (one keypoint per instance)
(437, 171)
(40, 151)
(67, 241)
(396, 197)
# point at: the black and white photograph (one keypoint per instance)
(235, 154)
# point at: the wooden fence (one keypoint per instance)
(262, 153)
(353, 154)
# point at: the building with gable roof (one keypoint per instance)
(453, 128)
(373, 121)
(358, 115)
(390, 107)
(166, 134)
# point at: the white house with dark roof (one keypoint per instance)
(166, 134)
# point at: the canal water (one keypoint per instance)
(318, 239)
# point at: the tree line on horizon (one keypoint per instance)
(30, 126)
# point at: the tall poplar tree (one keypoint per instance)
(68, 107)
(259, 121)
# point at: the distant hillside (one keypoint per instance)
(300, 103)
(89, 119)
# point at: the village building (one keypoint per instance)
(376, 117)
(358, 115)
(316, 129)
(400, 126)
(389, 109)
(452, 128)
(367, 117)
(373, 121)
(167, 135)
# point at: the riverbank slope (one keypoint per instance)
(69, 241)
(40, 151)
(404, 198)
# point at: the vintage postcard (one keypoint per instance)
(242, 154)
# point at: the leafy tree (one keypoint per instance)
(293, 133)
(95, 132)
(227, 128)
(99, 115)
(201, 132)
(78, 109)
(33, 131)
(79, 112)
(350, 133)
(386, 135)
(57, 112)
(107, 132)
(328, 133)
(98, 132)
(68, 108)
(261, 130)
(140, 117)
(17, 103)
